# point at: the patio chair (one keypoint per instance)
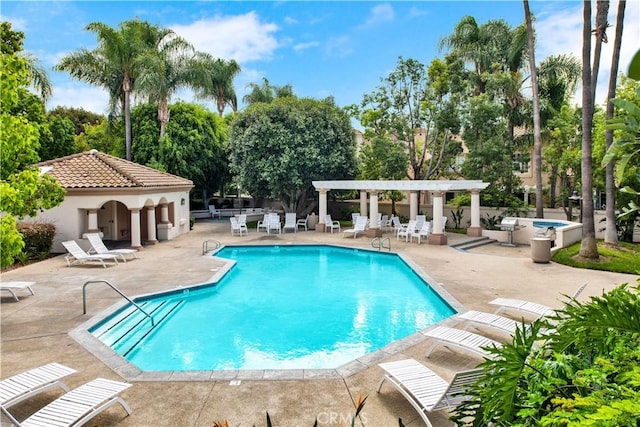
(406, 231)
(420, 220)
(499, 323)
(290, 222)
(463, 340)
(359, 228)
(22, 386)
(78, 406)
(213, 211)
(274, 223)
(528, 307)
(421, 233)
(242, 220)
(397, 226)
(98, 247)
(303, 223)
(238, 228)
(263, 223)
(12, 287)
(424, 389)
(354, 216)
(78, 255)
(331, 224)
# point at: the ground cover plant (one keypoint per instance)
(624, 258)
(580, 368)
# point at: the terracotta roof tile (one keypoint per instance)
(93, 169)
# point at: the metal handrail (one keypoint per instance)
(378, 243)
(84, 298)
(205, 246)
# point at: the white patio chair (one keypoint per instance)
(528, 307)
(397, 226)
(12, 287)
(359, 228)
(263, 223)
(490, 320)
(422, 233)
(237, 228)
(290, 222)
(78, 406)
(354, 216)
(424, 389)
(213, 211)
(406, 231)
(331, 224)
(22, 386)
(274, 223)
(461, 339)
(98, 247)
(78, 255)
(303, 223)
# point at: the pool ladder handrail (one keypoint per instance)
(84, 298)
(378, 243)
(205, 246)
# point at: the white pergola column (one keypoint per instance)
(413, 204)
(475, 229)
(322, 208)
(373, 200)
(151, 225)
(437, 237)
(136, 241)
(363, 202)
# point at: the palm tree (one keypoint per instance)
(112, 65)
(266, 92)
(537, 138)
(588, 247)
(610, 234)
(163, 69)
(215, 80)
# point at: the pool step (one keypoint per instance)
(473, 243)
(125, 330)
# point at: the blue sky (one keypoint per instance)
(323, 48)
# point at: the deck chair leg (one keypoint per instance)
(102, 408)
(433, 347)
(380, 384)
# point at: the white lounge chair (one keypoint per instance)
(22, 386)
(78, 255)
(528, 307)
(406, 231)
(421, 233)
(331, 224)
(238, 228)
(500, 323)
(424, 389)
(274, 223)
(359, 227)
(303, 223)
(12, 287)
(463, 340)
(78, 406)
(98, 247)
(290, 222)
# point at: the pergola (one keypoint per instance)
(437, 188)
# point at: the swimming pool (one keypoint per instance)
(279, 307)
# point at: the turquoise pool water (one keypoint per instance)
(283, 307)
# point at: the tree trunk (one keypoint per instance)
(611, 234)
(600, 33)
(126, 87)
(163, 115)
(537, 137)
(588, 246)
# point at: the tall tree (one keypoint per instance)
(215, 81)
(588, 246)
(112, 65)
(164, 67)
(537, 138)
(610, 233)
(266, 92)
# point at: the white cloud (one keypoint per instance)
(339, 47)
(80, 95)
(379, 14)
(416, 12)
(289, 20)
(304, 46)
(241, 37)
(560, 32)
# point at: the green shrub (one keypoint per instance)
(38, 239)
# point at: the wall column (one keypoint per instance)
(475, 230)
(164, 226)
(151, 225)
(322, 208)
(363, 202)
(136, 242)
(438, 237)
(413, 204)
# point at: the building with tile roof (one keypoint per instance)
(118, 198)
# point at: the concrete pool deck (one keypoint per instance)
(35, 330)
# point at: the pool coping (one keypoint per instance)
(130, 372)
